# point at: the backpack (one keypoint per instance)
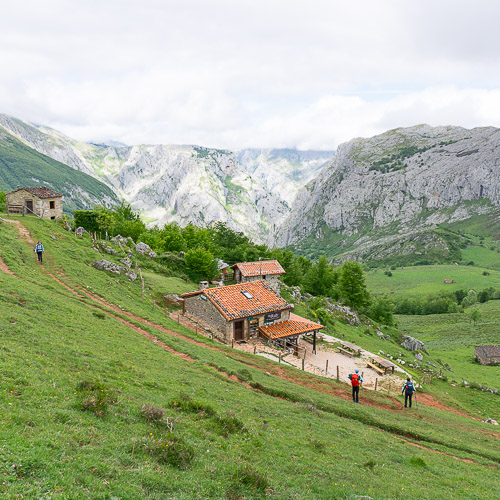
(409, 389)
(354, 379)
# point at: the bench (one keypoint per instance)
(343, 351)
(376, 368)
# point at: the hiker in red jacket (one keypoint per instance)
(356, 379)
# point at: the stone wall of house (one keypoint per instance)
(208, 316)
(273, 280)
(481, 354)
(41, 206)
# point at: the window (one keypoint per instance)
(203, 296)
(52, 205)
(248, 295)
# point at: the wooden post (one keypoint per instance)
(178, 319)
(338, 373)
(254, 349)
(166, 315)
(303, 364)
(279, 357)
(419, 382)
(197, 328)
(314, 342)
(376, 382)
(212, 336)
(326, 369)
(232, 343)
(389, 388)
(363, 374)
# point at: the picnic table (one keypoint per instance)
(382, 364)
(349, 349)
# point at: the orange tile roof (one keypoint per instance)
(288, 328)
(231, 302)
(260, 268)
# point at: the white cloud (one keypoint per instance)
(248, 73)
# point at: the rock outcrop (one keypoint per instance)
(412, 344)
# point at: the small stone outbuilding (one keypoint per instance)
(487, 354)
(40, 201)
(269, 270)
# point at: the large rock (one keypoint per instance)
(144, 249)
(106, 265)
(174, 299)
(412, 344)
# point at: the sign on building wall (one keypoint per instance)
(272, 316)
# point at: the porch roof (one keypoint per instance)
(289, 328)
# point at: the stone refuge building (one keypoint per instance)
(40, 201)
(246, 311)
(269, 270)
(487, 354)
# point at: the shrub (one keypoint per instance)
(229, 424)
(94, 397)
(186, 403)
(388, 273)
(152, 413)
(418, 462)
(169, 450)
(247, 480)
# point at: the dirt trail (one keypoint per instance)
(426, 448)
(23, 231)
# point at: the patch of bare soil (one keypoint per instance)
(5, 268)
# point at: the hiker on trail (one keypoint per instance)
(408, 390)
(39, 251)
(355, 379)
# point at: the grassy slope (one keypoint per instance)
(428, 280)
(304, 444)
(22, 166)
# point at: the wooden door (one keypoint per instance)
(29, 206)
(238, 330)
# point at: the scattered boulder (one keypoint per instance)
(105, 265)
(110, 250)
(126, 262)
(419, 356)
(80, 231)
(130, 275)
(412, 344)
(144, 249)
(66, 226)
(174, 299)
(379, 333)
(490, 421)
(387, 337)
(432, 364)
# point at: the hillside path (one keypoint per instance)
(338, 391)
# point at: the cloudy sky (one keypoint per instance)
(249, 73)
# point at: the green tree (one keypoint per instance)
(382, 311)
(352, 285)
(200, 264)
(172, 238)
(475, 315)
(2, 200)
(320, 278)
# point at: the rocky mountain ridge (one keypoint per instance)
(386, 189)
(251, 190)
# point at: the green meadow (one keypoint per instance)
(92, 408)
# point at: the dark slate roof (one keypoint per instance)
(41, 192)
(487, 350)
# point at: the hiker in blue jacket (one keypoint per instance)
(408, 390)
(39, 251)
(356, 379)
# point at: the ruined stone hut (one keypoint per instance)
(40, 201)
(246, 311)
(487, 354)
(269, 270)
